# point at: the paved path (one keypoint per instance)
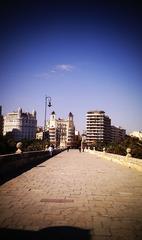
(79, 190)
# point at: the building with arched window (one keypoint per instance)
(61, 131)
(20, 125)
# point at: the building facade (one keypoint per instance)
(1, 121)
(117, 134)
(98, 128)
(137, 134)
(21, 125)
(77, 141)
(61, 131)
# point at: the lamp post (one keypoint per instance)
(49, 105)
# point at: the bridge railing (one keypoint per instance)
(13, 163)
(123, 160)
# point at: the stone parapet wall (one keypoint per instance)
(123, 160)
(10, 163)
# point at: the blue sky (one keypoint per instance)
(85, 56)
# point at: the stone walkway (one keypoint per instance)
(76, 190)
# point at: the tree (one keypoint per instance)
(129, 142)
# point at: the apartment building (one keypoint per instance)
(117, 134)
(21, 125)
(98, 127)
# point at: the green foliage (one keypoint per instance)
(120, 148)
(7, 145)
(34, 145)
(134, 143)
(98, 145)
(116, 149)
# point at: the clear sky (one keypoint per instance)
(86, 56)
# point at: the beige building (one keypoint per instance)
(98, 127)
(61, 131)
(21, 125)
(39, 135)
(137, 134)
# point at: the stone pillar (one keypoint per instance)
(19, 147)
(128, 150)
(104, 150)
(46, 148)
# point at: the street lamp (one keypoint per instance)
(47, 100)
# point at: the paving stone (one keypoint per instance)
(78, 190)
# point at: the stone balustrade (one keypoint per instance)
(127, 160)
(12, 163)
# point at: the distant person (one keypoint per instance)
(52, 146)
(68, 148)
(50, 149)
(79, 148)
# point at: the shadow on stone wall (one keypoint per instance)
(18, 171)
(51, 233)
(12, 165)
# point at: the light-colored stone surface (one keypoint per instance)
(76, 189)
(126, 161)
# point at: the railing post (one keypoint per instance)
(128, 150)
(19, 146)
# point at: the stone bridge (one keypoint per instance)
(75, 196)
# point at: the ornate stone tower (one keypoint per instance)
(70, 131)
(52, 120)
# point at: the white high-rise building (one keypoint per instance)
(21, 125)
(98, 127)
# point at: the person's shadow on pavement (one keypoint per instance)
(51, 233)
